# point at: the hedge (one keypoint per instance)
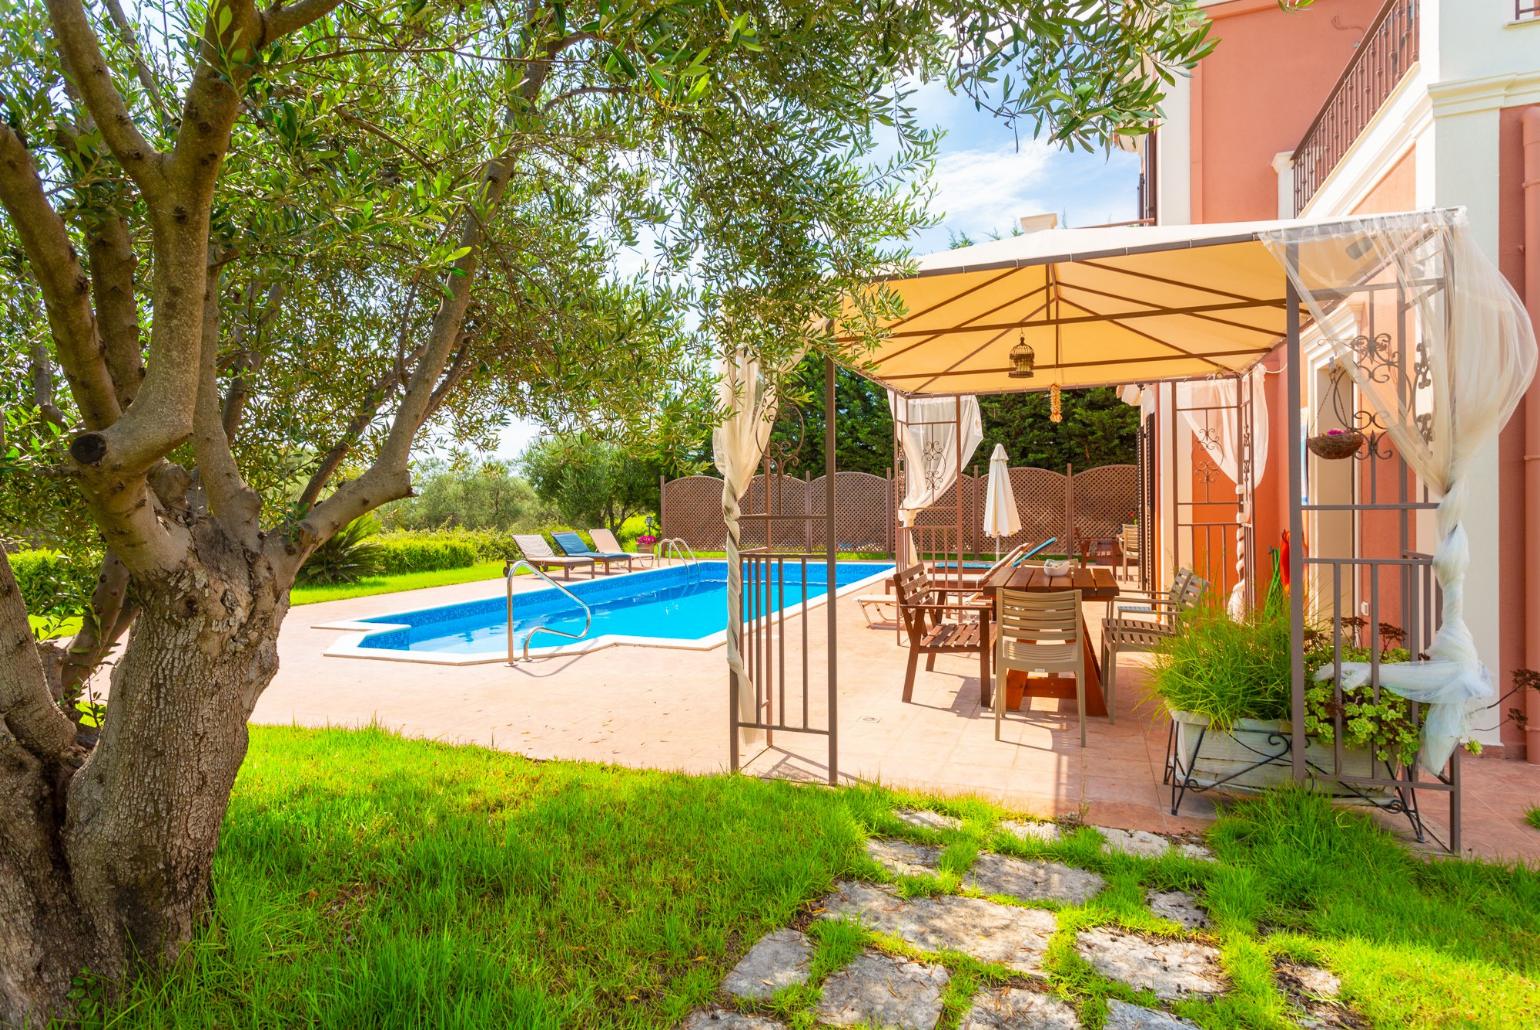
(55, 583)
(410, 552)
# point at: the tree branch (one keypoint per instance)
(110, 255)
(66, 289)
(232, 502)
(130, 40)
(248, 361)
(26, 706)
(282, 19)
(86, 66)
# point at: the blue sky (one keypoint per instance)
(984, 181)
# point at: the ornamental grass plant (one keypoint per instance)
(1226, 670)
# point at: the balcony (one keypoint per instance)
(1385, 55)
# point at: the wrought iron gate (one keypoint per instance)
(778, 639)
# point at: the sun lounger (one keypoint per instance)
(539, 554)
(572, 545)
(605, 542)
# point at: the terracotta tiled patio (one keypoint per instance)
(667, 709)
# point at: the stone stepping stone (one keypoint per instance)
(1139, 843)
(1172, 969)
(1021, 829)
(1123, 1016)
(1003, 934)
(926, 819)
(1199, 852)
(726, 1019)
(1314, 994)
(903, 858)
(880, 990)
(1034, 880)
(1015, 1008)
(780, 959)
(1179, 907)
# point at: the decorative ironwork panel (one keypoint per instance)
(1389, 48)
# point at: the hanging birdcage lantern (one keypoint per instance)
(1022, 358)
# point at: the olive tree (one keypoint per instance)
(251, 251)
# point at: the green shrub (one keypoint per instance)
(350, 555)
(54, 583)
(435, 551)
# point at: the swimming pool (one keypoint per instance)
(677, 606)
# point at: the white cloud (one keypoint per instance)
(984, 190)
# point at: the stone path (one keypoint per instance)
(1173, 969)
(780, 959)
(926, 819)
(1011, 1008)
(880, 989)
(902, 858)
(1002, 934)
(1034, 881)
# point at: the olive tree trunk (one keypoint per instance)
(106, 862)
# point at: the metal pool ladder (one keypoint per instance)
(588, 614)
(676, 548)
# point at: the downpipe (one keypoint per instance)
(1530, 123)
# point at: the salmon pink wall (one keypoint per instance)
(1511, 514)
(1258, 92)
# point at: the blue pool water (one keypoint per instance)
(681, 602)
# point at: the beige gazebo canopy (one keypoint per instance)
(1098, 306)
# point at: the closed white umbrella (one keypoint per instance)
(1000, 516)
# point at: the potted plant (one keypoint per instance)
(1226, 687)
(649, 534)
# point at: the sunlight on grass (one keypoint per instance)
(368, 880)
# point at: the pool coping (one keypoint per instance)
(350, 644)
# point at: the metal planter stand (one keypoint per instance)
(1179, 776)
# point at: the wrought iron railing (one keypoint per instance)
(1385, 54)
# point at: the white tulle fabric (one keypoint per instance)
(1479, 351)
(1218, 430)
(748, 398)
(927, 432)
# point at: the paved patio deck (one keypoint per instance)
(665, 708)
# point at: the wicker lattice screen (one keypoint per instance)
(1100, 499)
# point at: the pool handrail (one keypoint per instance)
(509, 569)
(672, 546)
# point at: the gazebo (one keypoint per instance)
(1428, 352)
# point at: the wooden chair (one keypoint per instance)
(938, 626)
(1142, 622)
(1038, 632)
(1129, 547)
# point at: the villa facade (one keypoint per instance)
(1354, 107)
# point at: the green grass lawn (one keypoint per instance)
(366, 880)
(392, 584)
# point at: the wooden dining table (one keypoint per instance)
(1095, 583)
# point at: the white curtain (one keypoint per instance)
(748, 397)
(927, 432)
(1477, 351)
(1218, 430)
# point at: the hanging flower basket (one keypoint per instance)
(1335, 444)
